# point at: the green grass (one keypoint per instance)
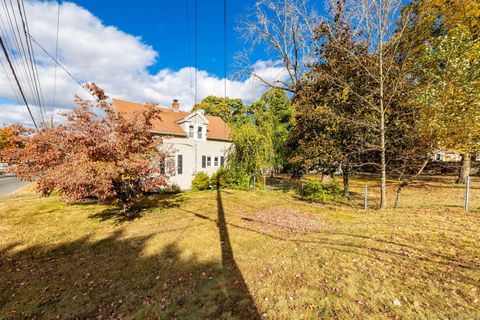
(194, 256)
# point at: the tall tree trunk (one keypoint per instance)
(383, 162)
(346, 181)
(465, 169)
(406, 182)
(383, 182)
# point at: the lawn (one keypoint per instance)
(207, 255)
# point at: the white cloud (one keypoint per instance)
(116, 61)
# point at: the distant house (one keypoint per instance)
(448, 156)
(194, 141)
(448, 162)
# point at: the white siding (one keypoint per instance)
(192, 152)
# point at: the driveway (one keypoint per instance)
(10, 184)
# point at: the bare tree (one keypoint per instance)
(285, 29)
(376, 22)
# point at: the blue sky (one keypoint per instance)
(137, 51)
(163, 25)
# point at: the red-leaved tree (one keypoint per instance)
(110, 158)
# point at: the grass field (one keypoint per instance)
(201, 255)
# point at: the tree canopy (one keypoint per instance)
(232, 111)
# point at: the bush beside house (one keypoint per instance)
(201, 181)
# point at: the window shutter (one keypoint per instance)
(162, 165)
(180, 164)
(204, 161)
(222, 160)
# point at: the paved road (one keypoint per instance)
(9, 184)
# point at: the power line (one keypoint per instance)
(225, 54)
(225, 49)
(5, 52)
(60, 65)
(196, 50)
(56, 56)
(31, 55)
(189, 47)
(22, 62)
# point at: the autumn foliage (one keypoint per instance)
(88, 157)
(10, 137)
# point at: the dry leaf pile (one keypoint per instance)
(286, 219)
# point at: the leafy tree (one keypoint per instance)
(334, 127)
(115, 157)
(449, 91)
(10, 137)
(442, 37)
(273, 112)
(232, 111)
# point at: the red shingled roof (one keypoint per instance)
(167, 124)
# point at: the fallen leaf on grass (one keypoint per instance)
(286, 219)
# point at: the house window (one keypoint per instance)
(222, 160)
(215, 161)
(180, 164)
(200, 132)
(438, 157)
(209, 161)
(204, 161)
(191, 131)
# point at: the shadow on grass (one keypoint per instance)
(112, 279)
(140, 206)
(283, 185)
(237, 290)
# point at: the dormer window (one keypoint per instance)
(195, 125)
(196, 131)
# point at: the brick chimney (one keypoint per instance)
(175, 105)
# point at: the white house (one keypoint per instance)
(448, 156)
(194, 141)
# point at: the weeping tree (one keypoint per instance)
(274, 113)
(252, 149)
